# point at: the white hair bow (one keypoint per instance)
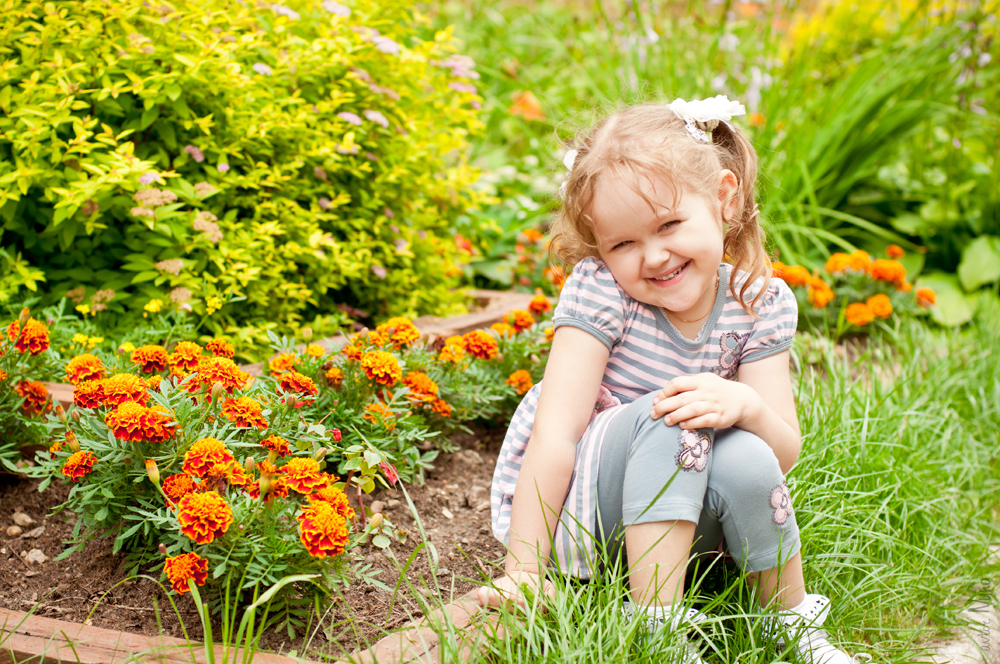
(568, 160)
(701, 116)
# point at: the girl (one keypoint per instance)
(669, 367)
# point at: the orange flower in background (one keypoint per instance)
(503, 330)
(532, 235)
(519, 319)
(926, 297)
(218, 370)
(820, 293)
(891, 271)
(36, 397)
(183, 568)
(276, 444)
(880, 305)
(35, 338)
(793, 275)
(89, 394)
(526, 105)
(282, 362)
(133, 421)
(336, 498)
(315, 350)
(220, 348)
(555, 275)
(539, 305)
(894, 251)
(382, 367)
(295, 382)
(859, 314)
(121, 388)
(481, 344)
(859, 261)
(151, 358)
(3, 374)
(352, 352)
(159, 420)
(177, 486)
(322, 529)
(334, 377)
(453, 350)
(57, 446)
(756, 119)
(204, 516)
(153, 383)
(205, 454)
(399, 331)
(301, 474)
(185, 358)
(520, 380)
(422, 388)
(379, 412)
(244, 412)
(78, 465)
(84, 367)
(550, 334)
(441, 407)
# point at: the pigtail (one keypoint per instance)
(744, 240)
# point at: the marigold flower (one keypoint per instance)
(838, 262)
(124, 387)
(891, 271)
(153, 382)
(244, 412)
(220, 370)
(89, 394)
(177, 486)
(322, 529)
(84, 367)
(518, 318)
(34, 339)
(382, 367)
(3, 375)
(533, 235)
(441, 407)
(133, 421)
(379, 412)
(335, 377)
(859, 314)
(204, 516)
(550, 334)
(453, 350)
(220, 348)
(520, 380)
(315, 350)
(56, 446)
(185, 358)
(422, 388)
(36, 397)
(399, 331)
(282, 362)
(205, 454)
(503, 330)
(302, 474)
(78, 465)
(926, 297)
(894, 251)
(820, 293)
(481, 344)
(793, 275)
(859, 261)
(276, 444)
(295, 382)
(539, 305)
(150, 358)
(184, 568)
(352, 352)
(336, 498)
(880, 305)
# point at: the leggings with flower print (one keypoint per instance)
(727, 481)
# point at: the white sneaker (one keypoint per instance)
(802, 625)
(680, 621)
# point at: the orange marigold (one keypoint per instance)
(820, 293)
(36, 397)
(84, 367)
(422, 388)
(353, 352)
(185, 358)
(151, 358)
(550, 334)
(276, 444)
(89, 394)
(133, 421)
(56, 446)
(891, 271)
(79, 464)
(315, 350)
(399, 331)
(379, 412)
(153, 382)
(441, 407)
(244, 412)
(34, 339)
(205, 454)
(859, 261)
(177, 486)
(204, 516)
(519, 319)
(220, 348)
(453, 350)
(520, 380)
(295, 382)
(382, 367)
(894, 251)
(122, 388)
(503, 330)
(926, 297)
(793, 275)
(880, 305)
(322, 529)
(859, 314)
(539, 305)
(302, 475)
(481, 344)
(334, 377)
(335, 497)
(218, 370)
(282, 362)
(184, 568)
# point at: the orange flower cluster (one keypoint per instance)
(441, 407)
(894, 251)
(519, 319)
(122, 388)
(322, 529)
(379, 412)
(36, 397)
(556, 276)
(204, 516)
(220, 348)
(89, 394)
(503, 330)
(204, 455)
(177, 486)
(880, 305)
(336, 497)
(276, 444)
(422, 388)
(859, 261)
(520, 380)
(793, 275)
(133, 421)
(539, 305)
(315, 350)
(244, 412)
(302, 474)
(382, 367)
(153, 383)
(481, 344)
(926, 297)
(218, 370)
(282, 362)
(820, 293)
(184, 359)
(891, 271)
(184, 568)
(78, 465)
(859, 314)
(151, 358)
(34, 339)
(453, 350)
(295, 382)
(399, 331)
(84, 367)
(335, 377)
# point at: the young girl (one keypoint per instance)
(669, 368)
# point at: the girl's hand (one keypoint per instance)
(703, 401)
(508, 589)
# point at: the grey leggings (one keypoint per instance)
(728, 482)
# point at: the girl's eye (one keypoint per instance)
(669, 224)
(621, 244)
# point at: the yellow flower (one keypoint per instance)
(80, 339)
(315, 350)
(154, 306)
(213, 304)
(93, 341)
(127, 347)
(83, 308)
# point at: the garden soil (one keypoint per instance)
(93, 586)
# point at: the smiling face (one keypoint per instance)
(668, 256)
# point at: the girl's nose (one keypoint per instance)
(656, 255)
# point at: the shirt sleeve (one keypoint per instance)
(778, 316)
(591, 301)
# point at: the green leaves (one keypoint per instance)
(980, 262)
(953, 306)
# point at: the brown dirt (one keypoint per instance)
(93, 585)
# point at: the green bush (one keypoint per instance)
(212, 146)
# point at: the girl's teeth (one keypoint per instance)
(669, 276)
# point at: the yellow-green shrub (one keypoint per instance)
(312, 208)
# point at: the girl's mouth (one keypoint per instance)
(671, 277)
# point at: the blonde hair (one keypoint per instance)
(650, 141)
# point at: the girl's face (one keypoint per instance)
(667, 257)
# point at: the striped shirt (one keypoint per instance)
(647, 351)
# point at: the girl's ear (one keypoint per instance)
(729, 187)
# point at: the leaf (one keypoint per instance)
(381, 541)
(149, 117)
(173, 91)
(101, 515)
(184, 60)
(149, 275)
(953, 307)
(980, 262)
